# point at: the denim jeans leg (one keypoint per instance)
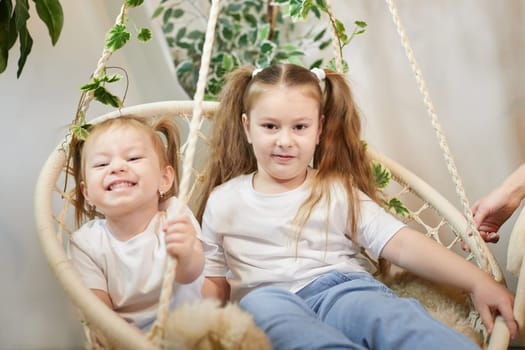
(290, 323)
(370, 314)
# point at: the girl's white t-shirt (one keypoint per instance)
(131, 271)
(249, 238)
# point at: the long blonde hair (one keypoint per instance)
(340, 155)
(165, 139)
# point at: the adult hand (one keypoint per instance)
(492, 211)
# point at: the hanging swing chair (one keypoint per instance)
(425, 209)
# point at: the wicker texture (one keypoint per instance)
(428, 211)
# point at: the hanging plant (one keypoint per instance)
(96, 88)
(251, 32)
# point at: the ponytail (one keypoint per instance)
(231, 154)
(341, 154)
(168, 150)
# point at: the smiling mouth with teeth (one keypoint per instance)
(118, 185)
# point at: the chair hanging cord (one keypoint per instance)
(475, 240)
(101, 64)
(336, 43)
(158, 331)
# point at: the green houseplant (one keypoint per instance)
(13, 27)
(252, 32)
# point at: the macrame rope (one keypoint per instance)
(336, 43)
(158, 331)
(439, 133)
(101, 64)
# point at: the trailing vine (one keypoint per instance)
(96, 88)
(382, 177)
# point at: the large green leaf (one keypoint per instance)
(13, 26)
(5, 19)
(26, 42)
(4, 54)
(13, 33)
(50, 12)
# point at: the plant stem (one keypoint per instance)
(271, 15)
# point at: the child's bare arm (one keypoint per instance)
(216, 287)
(427, 258)
(182, 244)
(102, 295)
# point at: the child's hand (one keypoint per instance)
(182, 244)
(493, 298)
(180, 238)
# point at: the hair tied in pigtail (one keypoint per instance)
(256, 71)
(319, 73)
(162, 138)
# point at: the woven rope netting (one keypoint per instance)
(428, 211)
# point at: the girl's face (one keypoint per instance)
(122, 172)
(284, 127)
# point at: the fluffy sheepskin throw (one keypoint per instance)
(205, 325)
(447, 305)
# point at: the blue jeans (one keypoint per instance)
(348, 311)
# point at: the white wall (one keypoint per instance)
(470, 54)
(471, 64)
